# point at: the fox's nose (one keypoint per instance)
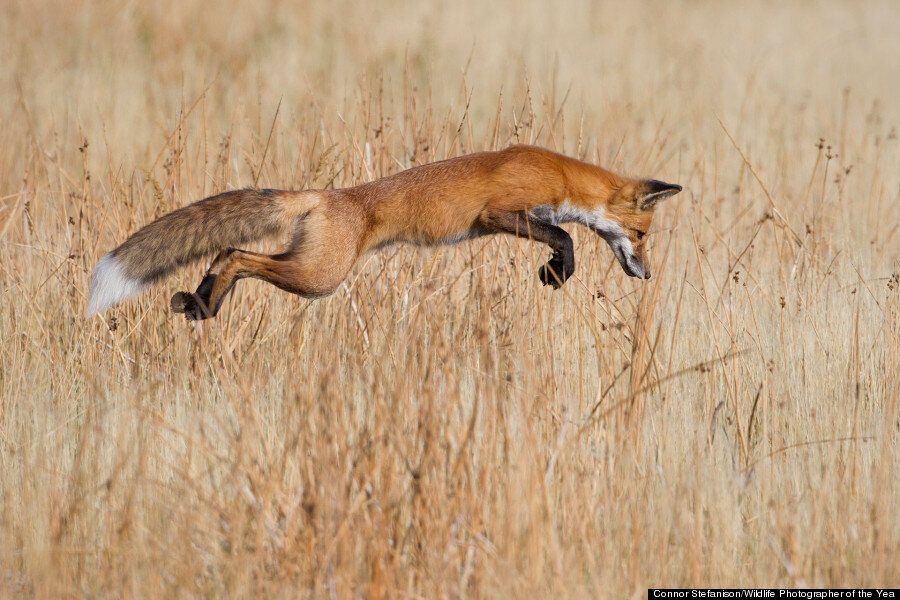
(646, 274)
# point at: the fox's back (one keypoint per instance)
(437, 200)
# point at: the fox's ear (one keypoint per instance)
(652, 191)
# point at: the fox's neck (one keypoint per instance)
(590, 186)
(586, 198)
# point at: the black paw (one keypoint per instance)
(554, 273)
(191, 305)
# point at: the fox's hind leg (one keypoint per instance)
(314, 266)
(289, 272)
(196, 306)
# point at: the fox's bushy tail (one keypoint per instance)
(184, 236)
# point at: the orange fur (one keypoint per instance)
(522, 190)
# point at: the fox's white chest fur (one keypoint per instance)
(597, 220)
(568, 213)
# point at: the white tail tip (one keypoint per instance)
(110, 285)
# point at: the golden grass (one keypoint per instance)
(443, 426)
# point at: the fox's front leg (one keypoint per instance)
(558, 269)
(561, 265)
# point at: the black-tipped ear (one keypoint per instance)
(654, 191)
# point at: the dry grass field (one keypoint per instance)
(443, 425)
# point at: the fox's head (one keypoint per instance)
(621, 215)
(625, 220)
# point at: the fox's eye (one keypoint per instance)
(640, 235)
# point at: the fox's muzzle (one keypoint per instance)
(634, 268)
(631, 264)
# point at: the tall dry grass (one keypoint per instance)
(443, 426)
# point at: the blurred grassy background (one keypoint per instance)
(443, 425)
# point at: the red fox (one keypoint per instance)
(523, 191)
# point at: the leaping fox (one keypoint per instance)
(523, 191)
